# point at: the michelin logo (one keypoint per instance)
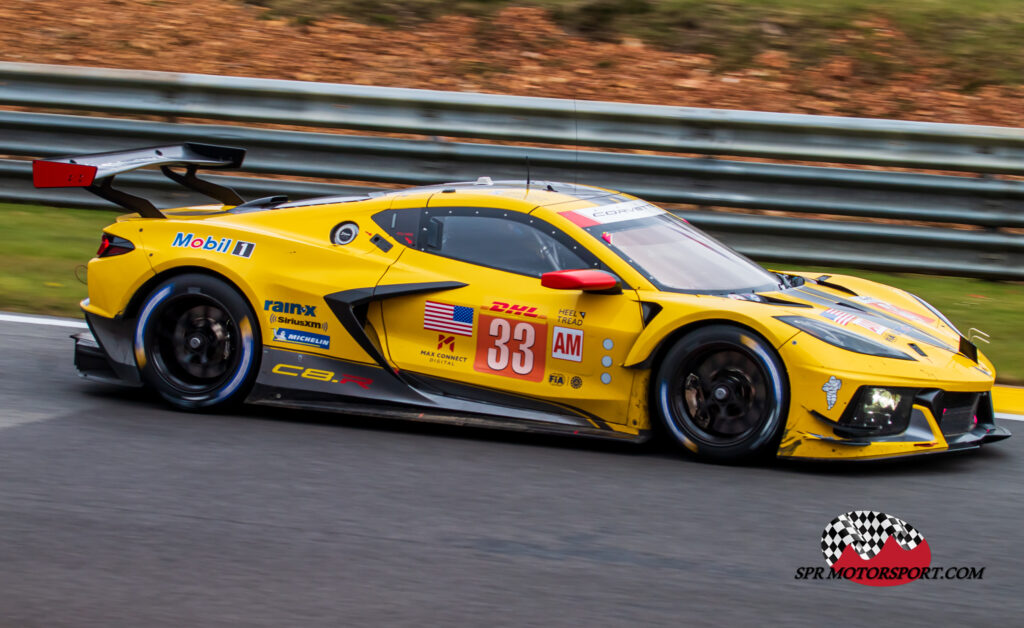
(831, 388)
(295, 336)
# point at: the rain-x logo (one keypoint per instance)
(879, 550)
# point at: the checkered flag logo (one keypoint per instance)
(867, 531)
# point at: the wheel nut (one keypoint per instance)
(721, 393)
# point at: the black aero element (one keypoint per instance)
(649, 311)
(258, 203)
(968, 349)
(958, 412)
(381, 243)
(491, 396)
(824, 281)
(349, 306)
(137, 204)
(92, 362)
(770, 300)
(192, 155)
(284, 369)
(223, 194)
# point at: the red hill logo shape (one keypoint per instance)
(875, 549)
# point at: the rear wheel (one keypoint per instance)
(196, 342)
(721, 392)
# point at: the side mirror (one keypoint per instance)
(588, 280)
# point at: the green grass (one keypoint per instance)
(978, 42)
(43, 246)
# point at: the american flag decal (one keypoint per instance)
(839, 316)
(453, 319)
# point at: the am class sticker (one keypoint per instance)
(567, 344)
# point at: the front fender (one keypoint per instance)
(681, 312)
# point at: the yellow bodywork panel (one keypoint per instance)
(491, 330)
(563, 346)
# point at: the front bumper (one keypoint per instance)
(925, 434)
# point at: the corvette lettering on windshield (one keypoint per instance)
(618, 212)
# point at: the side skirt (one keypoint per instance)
(292, 379)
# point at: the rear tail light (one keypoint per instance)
(112, 245)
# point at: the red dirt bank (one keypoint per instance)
(520, 51)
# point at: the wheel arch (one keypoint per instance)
(657, 355)
(136, 300)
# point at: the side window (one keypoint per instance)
(400, 224)
(507, 241)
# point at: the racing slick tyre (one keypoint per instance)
(197, 342)
(722, 393)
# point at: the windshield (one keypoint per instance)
(676, 256)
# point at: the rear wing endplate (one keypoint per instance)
(96, 172)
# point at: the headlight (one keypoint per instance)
(841, 338)
(934, 310)
(877, 411)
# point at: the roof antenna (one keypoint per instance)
(576, 126)
(527, 173)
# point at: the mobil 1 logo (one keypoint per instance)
(239, 248)
(243, 249)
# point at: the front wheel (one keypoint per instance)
(196, 342)
(722, 393)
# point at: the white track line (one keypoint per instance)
(1009, 417)
(40, 320)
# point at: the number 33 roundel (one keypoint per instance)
(513, 348)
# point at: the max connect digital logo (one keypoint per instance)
(879, 550)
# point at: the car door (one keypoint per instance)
(492, 326)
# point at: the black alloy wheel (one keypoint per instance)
(722, 393)
(197, 342)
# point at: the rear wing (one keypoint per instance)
(96, 172)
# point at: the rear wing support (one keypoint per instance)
(96, 172)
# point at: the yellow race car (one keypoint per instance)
(532, 306)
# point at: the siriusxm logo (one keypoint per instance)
(209, 243)
(283, 307)
(302, 338)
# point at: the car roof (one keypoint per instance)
(534, 193)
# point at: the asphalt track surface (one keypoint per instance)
(115, 511)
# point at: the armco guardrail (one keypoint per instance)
(989, 205)
(518, 118)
